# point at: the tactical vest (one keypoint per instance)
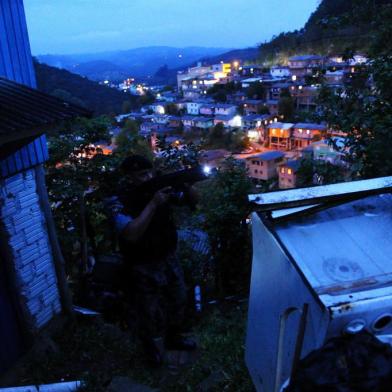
(160, 238)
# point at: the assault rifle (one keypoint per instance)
(177, 181)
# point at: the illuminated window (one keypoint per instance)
(308, 132)
(282, 170)
(300, 130)
(289, 171)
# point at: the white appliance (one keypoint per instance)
(322, 266)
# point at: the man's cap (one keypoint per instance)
(135, 163)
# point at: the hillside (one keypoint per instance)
(329, 30)
(81, 91)
(139, 62)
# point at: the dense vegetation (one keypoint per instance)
(81, 91)
(330, 29)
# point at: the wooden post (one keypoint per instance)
(59, 263)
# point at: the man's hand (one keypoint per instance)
(162, 196)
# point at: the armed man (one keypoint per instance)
(148, 240)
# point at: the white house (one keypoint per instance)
(233, 121)
(280, 71)
(225, 109)
(193, 108)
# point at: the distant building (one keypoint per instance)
(225, 109)
(324, 151)
(288, 174)
(232, 121)
(207, 109)
(264, 166)
(272, 105)
(193, 108)
(253, 121)
(305, 133)
(301, 66)
(279, 135)
(248, 82)
(250, 70)
(280, 72)
(253, 106)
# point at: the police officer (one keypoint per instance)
(148, 241)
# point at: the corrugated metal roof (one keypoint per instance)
(320, 127)
(25, 112)
(279, 125)
(268, 156)
(306, 57)
(293, 164)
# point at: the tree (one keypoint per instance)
(317, 172)
(286, 105)
(172, 109)
(126, 106)
(256, 91)
(225, 207)
(130, 142)
(363, 108)
(78, 175)
(216, 135)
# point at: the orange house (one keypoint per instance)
(305, 133)
(279, 135)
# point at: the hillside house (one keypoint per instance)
(264, 166)
(272, 105)
(305, 133)
(233, 121)
(280, 72)
(207, 109)
(250, 70)
(253, 106)
(255, 121)
(305, 96)
(288, 174)
(33, 287)
(245, 83)
(324, 151)
(300, 66)
(225, 109)
(193, 108)
(203, 123)
(279, 135)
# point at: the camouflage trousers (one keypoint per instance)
(161, 297)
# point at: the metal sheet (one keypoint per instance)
(346, 248)
(278, 294)
(314, 195)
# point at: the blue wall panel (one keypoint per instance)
(15, 54)
(30, 155)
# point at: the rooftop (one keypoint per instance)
(306, 57)
(268, 156)
(26, 112)
(279, 125)
(293, 164)
(314, 126)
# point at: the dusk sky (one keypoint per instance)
(84, 26)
